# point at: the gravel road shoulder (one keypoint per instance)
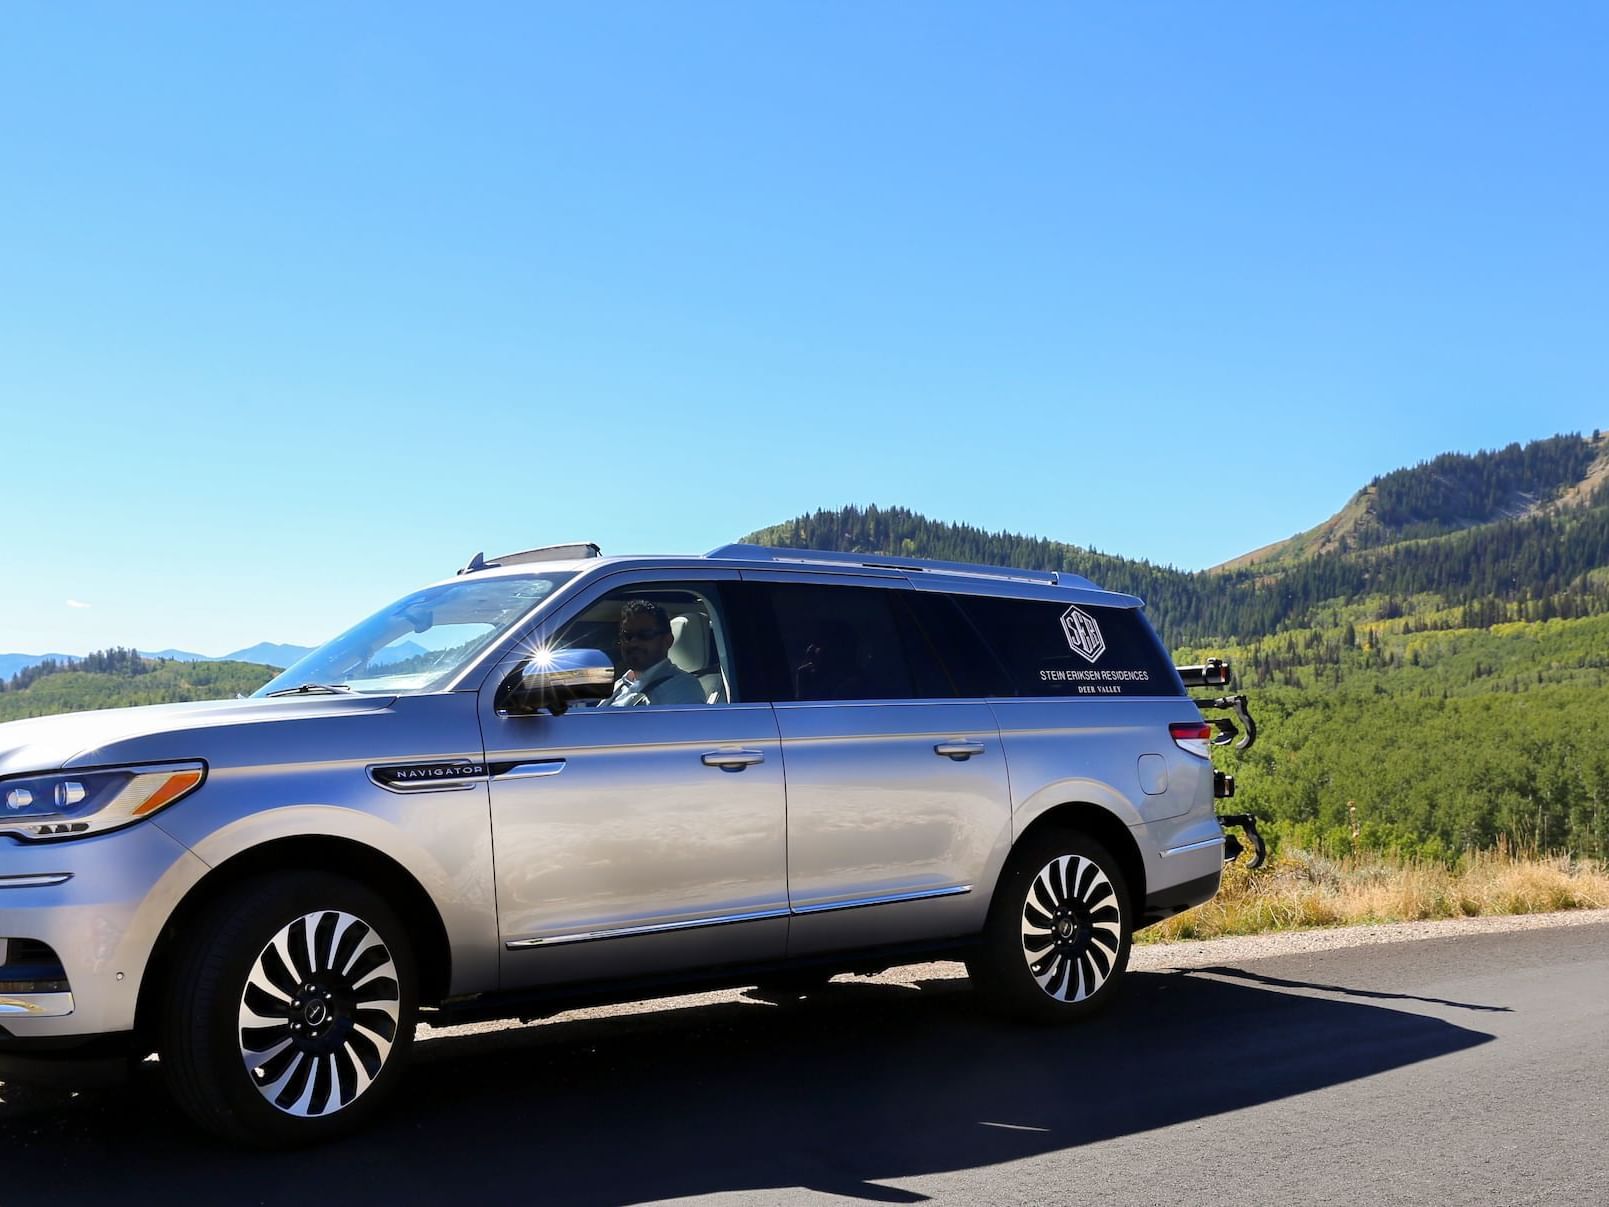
(1204, 952)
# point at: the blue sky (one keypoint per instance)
(304, 304)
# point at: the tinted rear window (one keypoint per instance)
(1057, 649)
(947, 657)
(838, 643)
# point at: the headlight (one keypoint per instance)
(70, 804)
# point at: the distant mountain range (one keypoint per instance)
(264, 653)
(10, 664)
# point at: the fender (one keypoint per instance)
(104, 947)
(1079, 790)
(463, 895)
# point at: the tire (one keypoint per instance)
(290, 1012)
(1056, 944)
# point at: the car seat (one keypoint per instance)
(693, 650)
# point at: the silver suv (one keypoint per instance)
(558, 777)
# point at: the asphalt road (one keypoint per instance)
(1451, 1070)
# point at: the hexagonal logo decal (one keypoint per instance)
(1083, 634)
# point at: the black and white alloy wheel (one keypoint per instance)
(290, 1009)
(1072, 928)
(1056, 943)
(319, 1014)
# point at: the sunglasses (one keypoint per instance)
(641, 634)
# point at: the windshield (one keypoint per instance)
(419, 642)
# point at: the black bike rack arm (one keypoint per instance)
(1232, 845)
(1214, 672)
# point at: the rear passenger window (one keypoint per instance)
(838, 643)
(1059, 649)
(948, 658)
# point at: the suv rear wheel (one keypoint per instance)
(291, 1011)
(1056, 944)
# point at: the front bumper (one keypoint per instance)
(99, 905)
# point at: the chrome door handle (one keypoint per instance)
(733, 760)
(959, 751)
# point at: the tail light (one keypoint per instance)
(1193, 736)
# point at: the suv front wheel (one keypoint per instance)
(1056, 944)
(291, 1010)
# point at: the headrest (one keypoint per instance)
(691, 648)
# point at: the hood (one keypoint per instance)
(74, 739)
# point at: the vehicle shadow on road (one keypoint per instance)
(1282, 983)
(862, 1083)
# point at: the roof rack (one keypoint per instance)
(547, 553)
(876, 561)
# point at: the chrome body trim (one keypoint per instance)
(530, 771)
(626, 932)
(1194, 846)
(36, 1005)
(35, 880)
(452, 785)
(891, 899)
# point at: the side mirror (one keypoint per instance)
(555, 680)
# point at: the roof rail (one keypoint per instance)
(547, 553)
(880, 561)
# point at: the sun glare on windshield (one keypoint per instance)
(421, 641)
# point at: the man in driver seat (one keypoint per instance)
(651, 677)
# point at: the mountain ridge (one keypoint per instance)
(1421, 555)
(1545, 477)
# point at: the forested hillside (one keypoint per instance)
(1428, 741)
(117, 678)
(1457, 490)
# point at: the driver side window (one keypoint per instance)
(667, 641)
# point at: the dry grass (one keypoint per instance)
(1299, 890)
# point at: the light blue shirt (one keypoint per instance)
(662, 683)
